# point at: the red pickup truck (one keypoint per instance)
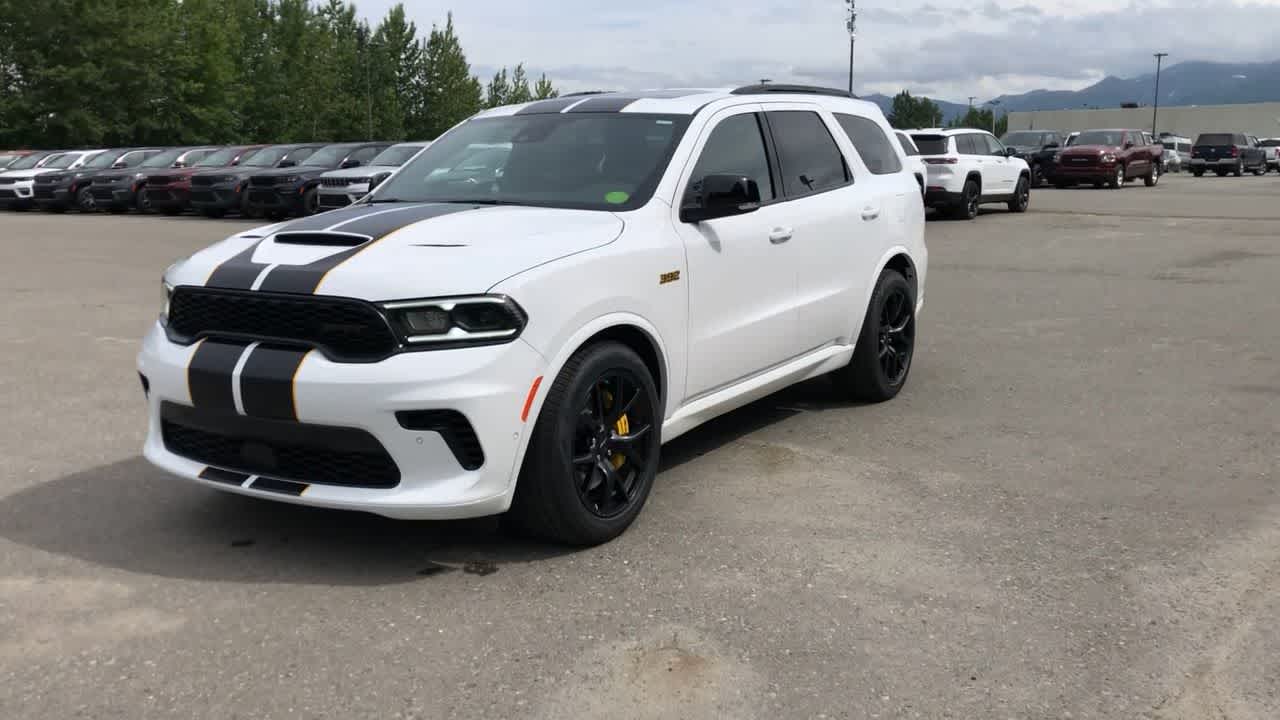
(1109, 157)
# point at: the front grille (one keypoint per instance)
(43, 192)
(7, 181)
(203, 196)
(454, 427)
(272, 180)
(1080, 160)
(334, 201)
(210, 180)
(7, 194)
(159, 179)
(108, 179)
(344, 329)
(49, 179)
(343, 182)
(101, 193)
(302, 452)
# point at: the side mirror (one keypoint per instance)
(118, 165)
(718, 196)
(350, 163)
(1010, 152)
(1051, 146)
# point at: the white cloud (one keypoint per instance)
(942, 47)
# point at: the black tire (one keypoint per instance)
(310, 202)
(967, 208)
(1220, 173)
(1198, 173)
(1153, 176)
(1117, 181)
(143, 201)
(213, 213)
(1260, 170)
(1021, 199)
(85, 201)
(248, 211)
(574, 442)
(1037, 176)
(886, 346)
(1239, 171)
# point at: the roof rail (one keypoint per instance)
(586, 92)
(792, 89)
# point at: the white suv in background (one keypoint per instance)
(17, 187)
(968, 168)
(523, 342)
(340, 188)
(918, 167)
(1271, 146)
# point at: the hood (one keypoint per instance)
(32, 172)
(362, 171)
(235, 171)
(398, 252)
(1089, 149)
(299, 170)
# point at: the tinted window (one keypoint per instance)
(1215, 139)
(300, 154)
(908, 147)
(871, 143)
(164, 159)
(27, 162)
(931, 144)
(329, 156)
(104, 160)
(993, 145)
(221, 158)
(736, 147)
(62, 162)
(969, 144)
(364, 155)
(809, 159)
(1100, 137)
(396, 155)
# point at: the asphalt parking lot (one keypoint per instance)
(1070, 512)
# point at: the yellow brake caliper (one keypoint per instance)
(623, 427)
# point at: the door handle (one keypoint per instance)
(870, 213)
(780, 235)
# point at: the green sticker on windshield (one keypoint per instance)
(617, 197)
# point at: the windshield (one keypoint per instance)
(267, 157)
(1099, 137)
(1023, 139)
(221, 158)
(63, 162)
(328, 156)
(396, 156)
(908, 147)
(104, 160)
(164, 159)
(587, 161)
(931, 144)
(27, 162)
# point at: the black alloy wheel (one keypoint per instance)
(1021, 199)
(897, 335)
(968, 207)
(85, 201)
(886, 344)
(144, 200)
(615, 426)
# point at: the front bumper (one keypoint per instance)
(225, 196)
(488, 386)
(278, 198)
(115, 195)
(1098, 172)
(19, 193)
(332, 198)
(169, 197)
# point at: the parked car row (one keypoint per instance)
(273, 181)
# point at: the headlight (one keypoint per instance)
(1057, 156)
(377, 179)
(166, 291)
(456, 322)
(1108, 158)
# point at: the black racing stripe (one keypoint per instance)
(225, 477)
(209, 374)
(266, 382)
(305, 279)
(326, 220)
(237, 273)
(545, 107)
(284, 487)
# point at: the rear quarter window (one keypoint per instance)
(873, 146)
(808, 156)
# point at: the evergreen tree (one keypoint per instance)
(451, 92)
(520, 92)
(544, 89)
(396, 64)
(499, 91)
(911, 112)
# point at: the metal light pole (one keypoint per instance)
(851, 23)
(1155, 108)
(993, 104)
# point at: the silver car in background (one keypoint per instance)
(340, 188)
(1177, 152)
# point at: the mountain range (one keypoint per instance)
(1187, 83)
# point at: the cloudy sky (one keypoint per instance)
(943, 48)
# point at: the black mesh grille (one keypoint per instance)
(49, 179)
(7, 181)
(453, 427)
(209, 180)
(302, 452)
(203, 196)
(342, 181)
(8, 194)
(334, 201)
(344, 329)
(159, 179)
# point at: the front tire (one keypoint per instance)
(1117, 180)
(311, 202)
(85, 201)
(594, 452)
(1198, 173)
(1021, 197)
(882, 359)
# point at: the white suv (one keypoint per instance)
(340, 188)
(970, 167)
(523, 341)
(17, 186)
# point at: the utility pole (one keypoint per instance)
(1155, 108)
(851, 24)
(993, 104)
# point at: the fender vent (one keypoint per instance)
(322, 239)
(454, 427)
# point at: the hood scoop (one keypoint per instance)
(321, 239)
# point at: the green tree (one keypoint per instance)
(498, 92)
(451, 92)
(912, 112)
(544, 89)
(520, 92)
(981, 119)
(395, 69)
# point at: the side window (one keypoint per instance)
(871, 143)
(364, 155)
(736, 147)
(301, 154)
(808, 157)
(993, 145)
(196, 155)
(965, 145)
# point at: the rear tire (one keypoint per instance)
(1153, 176)
(590, 464)
(1198, 173)
(1021, 196)
(1239, 171)
(85, 201)
(967, 209)
(886, 346)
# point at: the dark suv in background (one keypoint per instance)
(62, 191)
(295, 191)
(215, 193)
(170, 192)
(1223, 153)
(117, 192)
(1038, 148)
